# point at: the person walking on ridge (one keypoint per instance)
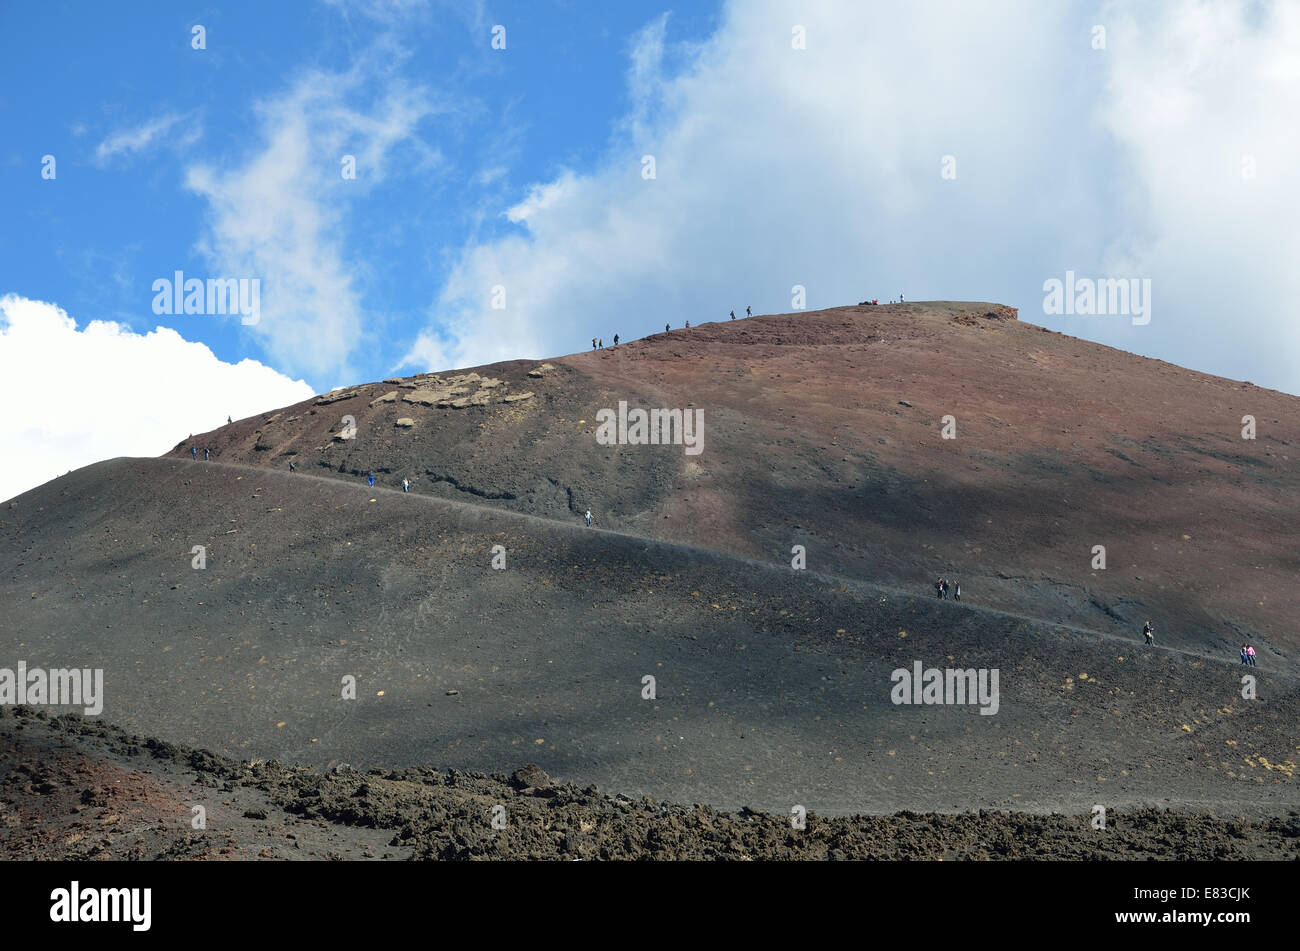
(589, 518)
(748, 312)
(956, 593)
(1245, 658)
(616, 340)
(1250, 654)
(1150, 632)
(194, 451)
(406, 484)
(206, 455)
(733, 315)
(370, 479)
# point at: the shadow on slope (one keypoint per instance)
(772, 686)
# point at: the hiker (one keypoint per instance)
(938, 588)
(945, 589)
(733, 315)
(602, 341)
(1250, 655)
(406, 484)
(748, 312)
(293, 466)
(956, 594)
(589, 518)
(667, 328)
(688, 325)
(1245, 658)
(370, 479)
(593, 343)
(900, 297)
(194, 451)
(1149, 631)
(616, 340)
(206, 455)
(229, 420)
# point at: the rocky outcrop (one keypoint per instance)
(454, 392)
(335, 396)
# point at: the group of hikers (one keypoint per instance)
(941, 589)
(598, 343)
(942, 585)
(194, 450)
(1247, 651)
(370, 480)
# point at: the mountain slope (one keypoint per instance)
(1060, 446)
(773, 686)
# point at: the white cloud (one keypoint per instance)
(142, 137)
(80, 396)
(542, 198)
(775, 167)
(281, 215)
(1196, 94)
(821, 167)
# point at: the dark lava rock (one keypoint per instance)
(530, 775)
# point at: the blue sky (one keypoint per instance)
(479, 125)
(794, 143)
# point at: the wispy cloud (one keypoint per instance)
(181, 130)
(281, 214)
(391, 13)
